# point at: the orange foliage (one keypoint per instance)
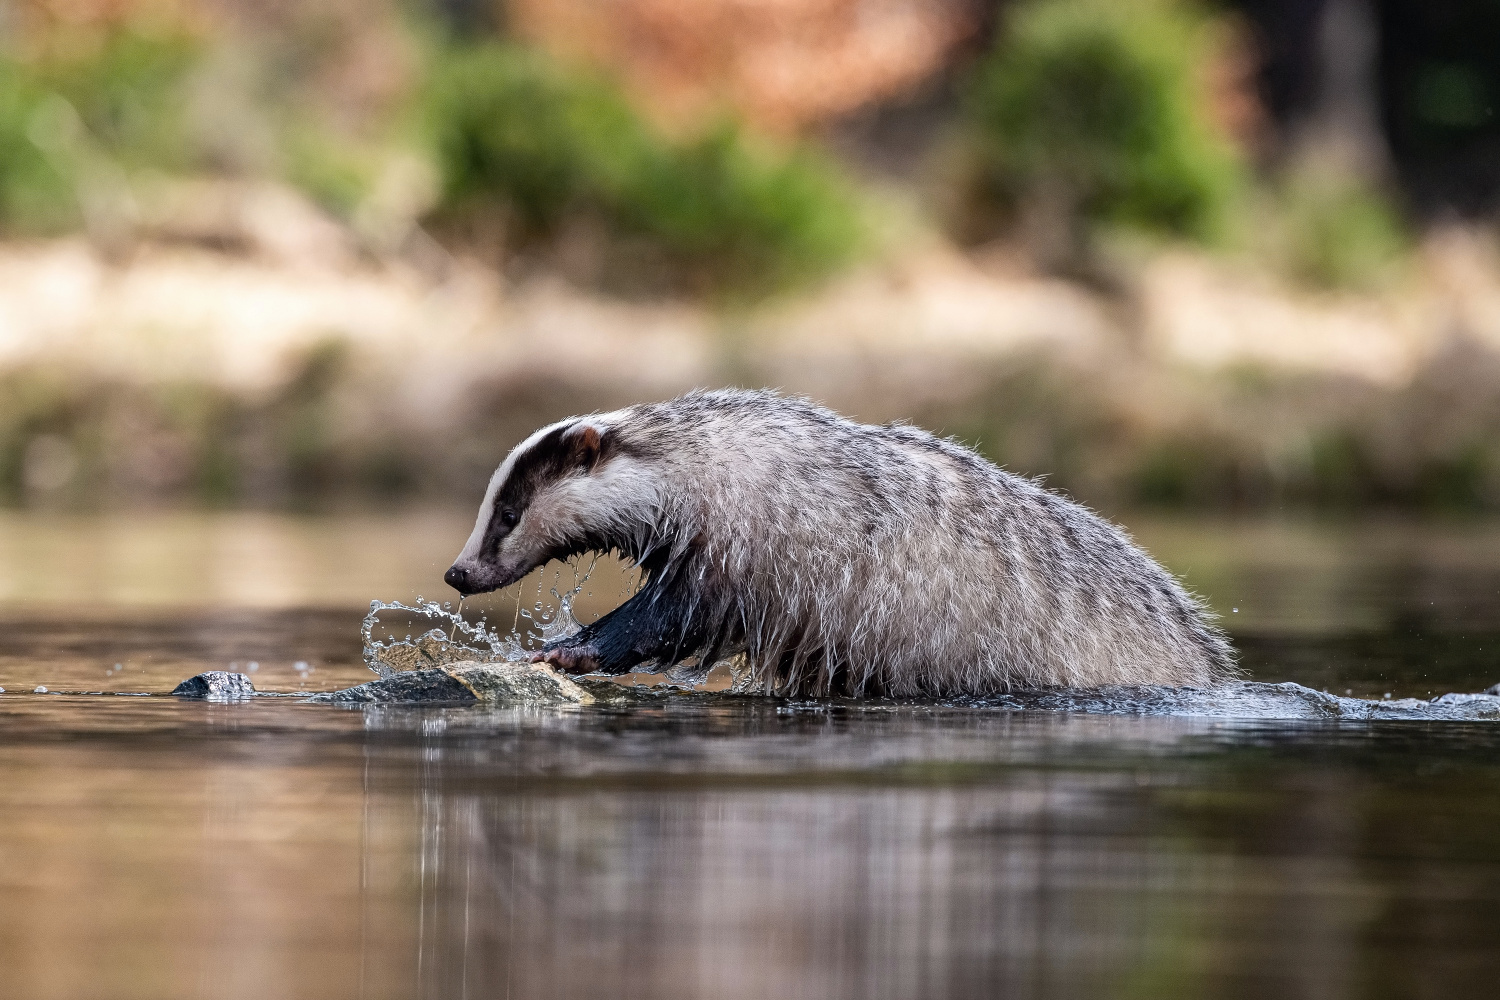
(44, 16)
(1233, 103)
(782, 64)
(353, 58)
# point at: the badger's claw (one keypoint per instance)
(569, 659)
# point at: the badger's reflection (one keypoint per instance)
(567, 855)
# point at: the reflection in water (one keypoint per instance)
(969, 856)
(156, 848)
(816, 893)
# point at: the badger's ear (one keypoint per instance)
(586, 442)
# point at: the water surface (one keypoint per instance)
(718, 847)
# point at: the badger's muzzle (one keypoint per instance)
(470, 577)
(457, 577)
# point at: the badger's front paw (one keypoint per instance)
(569, 659)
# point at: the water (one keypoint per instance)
(387, 654)
(720, 846)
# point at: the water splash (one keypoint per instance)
(462, 640)
(451, 639)
(563, 623)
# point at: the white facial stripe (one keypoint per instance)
(620, 495)
(487, 506)
(599, 421)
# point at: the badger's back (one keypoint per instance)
(848, 557)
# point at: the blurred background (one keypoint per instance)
(281, 281)
(302, 255)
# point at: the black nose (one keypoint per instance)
(458, 578)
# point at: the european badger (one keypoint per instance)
(839, 557)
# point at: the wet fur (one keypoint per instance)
(839, 557)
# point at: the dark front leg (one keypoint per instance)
(656, 624)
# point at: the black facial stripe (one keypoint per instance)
(546, 461)
(526, 477)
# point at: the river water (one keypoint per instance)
(690, 847)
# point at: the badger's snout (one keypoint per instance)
(457, 577)
(471, 576)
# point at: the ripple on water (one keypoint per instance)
(1249, 700)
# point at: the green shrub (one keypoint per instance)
(1094, 103)
(63, 113)
(336, 173)
(33, 187)
(1336, 231)
(510, 125)
(130, 93)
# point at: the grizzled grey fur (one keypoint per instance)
(839, 557)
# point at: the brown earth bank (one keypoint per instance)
(283, 363)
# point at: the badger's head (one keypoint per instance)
(568, 488)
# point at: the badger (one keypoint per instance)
(840, 558)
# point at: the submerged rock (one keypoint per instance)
(1250, 700)
(216, 685)
(520, 684)
(505, 683)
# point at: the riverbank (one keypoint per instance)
(272, 358)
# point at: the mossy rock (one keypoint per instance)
(467, 682)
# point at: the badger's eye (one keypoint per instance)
(509, 518)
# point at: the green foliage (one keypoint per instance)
(508, 123)
(130, 94)
(1095, 101)
(336, 174)
(1335, 231)
(32, 186)
(1195, 469)
(66, 114)
(511, 126)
